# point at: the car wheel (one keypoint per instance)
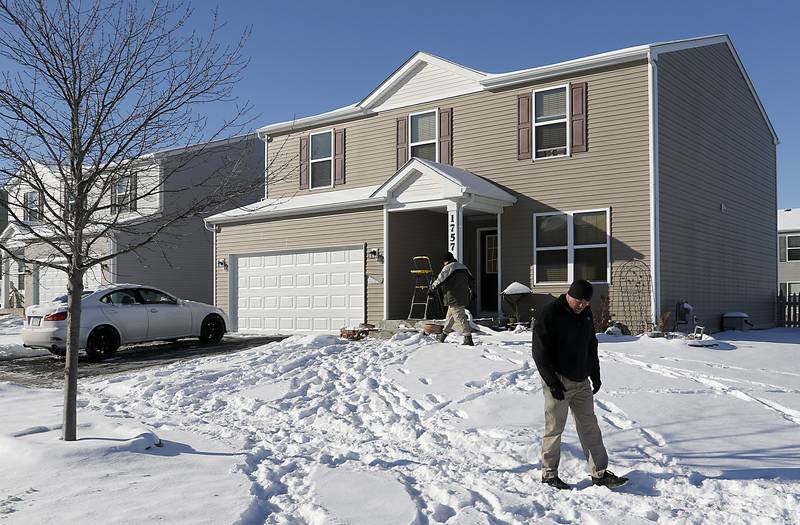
(212, 329)
(102, 343)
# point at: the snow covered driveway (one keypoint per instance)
(412, 431)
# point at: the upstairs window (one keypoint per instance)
(550, 123)
(423, 135)
(124, 194)
(321, 160)
(571, 245)
(33, 207)
(793, 247)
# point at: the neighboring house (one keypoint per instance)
(180, 260)
(789, 251)
(660, 152)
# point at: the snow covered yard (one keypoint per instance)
(11, 340)
(320, 430)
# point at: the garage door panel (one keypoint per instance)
(52, 282)
(312, 290)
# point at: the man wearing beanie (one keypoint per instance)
(565, 352)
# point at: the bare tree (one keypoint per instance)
(94, 89)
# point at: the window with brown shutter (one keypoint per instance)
(338, 157)
(303, 163)
(446, 135)
(402, 141)
(578, 117)
(524, 126)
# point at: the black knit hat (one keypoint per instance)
(581, 290)
(448, 257)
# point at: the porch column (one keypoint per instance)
(455, 230)
(4, 288)
(500, 263)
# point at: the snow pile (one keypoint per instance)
(11, 340)
(516, 288)
(413, 431)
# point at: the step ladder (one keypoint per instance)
(422, 272)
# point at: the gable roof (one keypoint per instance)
(466, 180)
(475, 81)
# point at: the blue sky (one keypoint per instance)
(310, 57)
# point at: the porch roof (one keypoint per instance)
(466, 181)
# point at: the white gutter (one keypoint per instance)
(564, 68)
(270, 213)
(655, 251)
(314, 120)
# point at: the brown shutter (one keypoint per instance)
(578, 117)
(782, 248)
(402, 141)
(446, 135)
(338, 157)
(524, 137)
(303, 163)
(132, 191)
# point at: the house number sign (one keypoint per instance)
(452, 233)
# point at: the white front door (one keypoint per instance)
(319, 290)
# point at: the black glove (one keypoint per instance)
(596, 385)
(558, 391)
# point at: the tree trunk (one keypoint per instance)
(74, 292)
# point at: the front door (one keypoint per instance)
(487, 270)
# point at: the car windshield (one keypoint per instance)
(63, 298)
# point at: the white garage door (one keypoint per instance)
(318, 290)
(53, 283)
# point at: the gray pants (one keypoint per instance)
(457, 316)
(578, 399)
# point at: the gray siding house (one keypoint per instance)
(180, 260)
(789, 251)
(660, 154)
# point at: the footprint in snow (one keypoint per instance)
(424, 380)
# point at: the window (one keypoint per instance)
(790, 288)
(550, 123)
(571, 245)
(156, 297)
(491, 254)
(321, 160)
(423, 135)
(64, 299)
(121, 297)
(33, 207)
(124, 194)
(20, 273)
(793, 247)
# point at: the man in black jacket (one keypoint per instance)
(454, 282)
(565, 352)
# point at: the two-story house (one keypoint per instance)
(179, 260)
(789, 251)
(660, 153)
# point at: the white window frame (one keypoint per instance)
(18, 269)
(787, 248)
(788, 284)
(311, 161)
(565, 120)
(27, 214)
(117, 207)
(435, 140)
(486, 253)
(570, 246)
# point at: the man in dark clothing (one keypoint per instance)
(454, 283)
(565, 352)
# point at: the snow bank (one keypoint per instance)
(11, 339)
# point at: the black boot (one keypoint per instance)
(609, 480)
(556, 483)
(468, 340)
(441, 337)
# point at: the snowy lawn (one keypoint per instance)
(321, 430)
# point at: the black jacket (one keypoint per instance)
(454, 282)
(564, 342)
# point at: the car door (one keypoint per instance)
(125, 311)
(167, 318)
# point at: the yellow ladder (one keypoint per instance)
(423, 277)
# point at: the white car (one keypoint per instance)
(122, 314)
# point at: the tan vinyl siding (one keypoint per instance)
(301, 232)
(715, 149)
(613, 173)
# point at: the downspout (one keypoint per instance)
(655, 251)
